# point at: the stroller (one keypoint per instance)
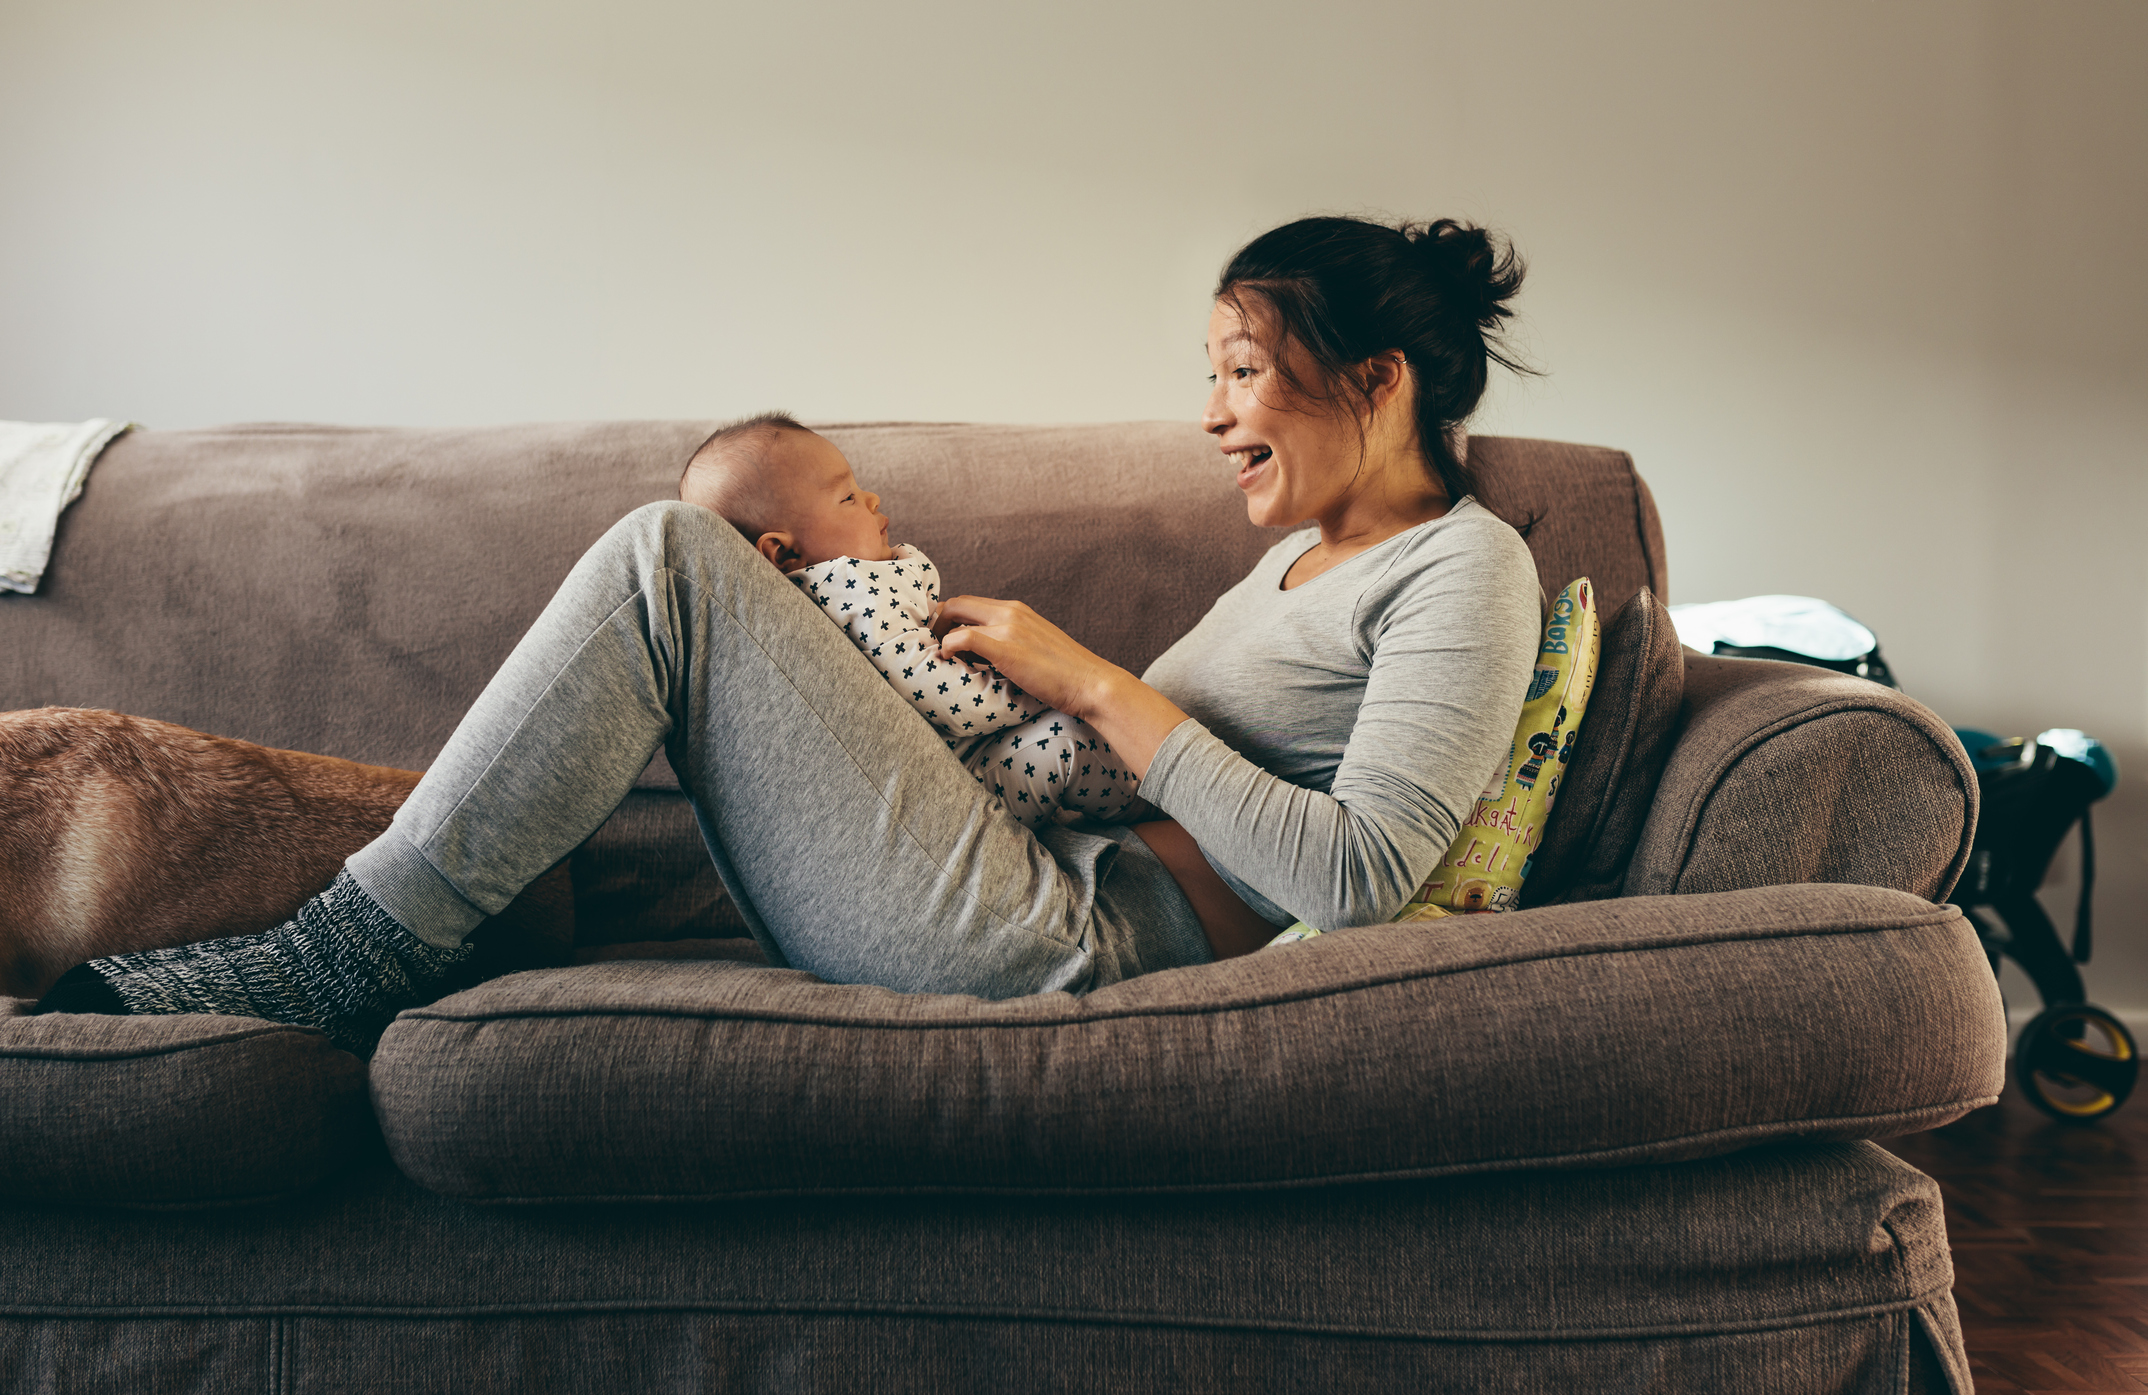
(2074, 1061)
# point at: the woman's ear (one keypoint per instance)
(1384, 375)
(779, 548)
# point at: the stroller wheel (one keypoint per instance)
(2076, 1062)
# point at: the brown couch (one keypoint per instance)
(1619, 1140)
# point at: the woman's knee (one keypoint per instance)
(675, 519)
(676, 536)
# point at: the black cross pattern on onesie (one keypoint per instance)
(1042, 764)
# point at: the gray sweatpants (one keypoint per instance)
(853, 841)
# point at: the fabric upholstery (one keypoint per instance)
(1618, 758)
(1876, 1354)
(173, 1111)
(1584, 509)
(794, 1354)
(831, 1352)
(646, 875)
(1789, 773)
(1402, 1050)
(1801, 1267)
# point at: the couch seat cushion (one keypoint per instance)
(195, 1110)
(1605, 1033)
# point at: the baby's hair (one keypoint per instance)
(741, 496)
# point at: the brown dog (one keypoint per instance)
(120, 833)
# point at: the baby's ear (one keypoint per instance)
(780, 549)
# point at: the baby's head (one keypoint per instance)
(789, 490)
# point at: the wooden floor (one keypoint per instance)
(2049, 1224)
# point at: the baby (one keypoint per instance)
(792, 494)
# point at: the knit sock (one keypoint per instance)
(342, 964)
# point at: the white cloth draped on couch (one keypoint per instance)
(42, 468)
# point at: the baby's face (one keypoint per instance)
(824, 508)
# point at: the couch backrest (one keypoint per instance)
(1585, 510)
(349, 590)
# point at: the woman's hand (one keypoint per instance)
(1026, 647)
(1133, 717)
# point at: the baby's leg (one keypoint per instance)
(1051, 765)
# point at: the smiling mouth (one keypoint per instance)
(1249, 460)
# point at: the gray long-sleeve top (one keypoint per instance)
(1343, 730)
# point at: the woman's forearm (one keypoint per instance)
(1131, 716)
(1328, 861)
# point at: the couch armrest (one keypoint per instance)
(1787, 773)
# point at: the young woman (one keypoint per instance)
(1315, 740)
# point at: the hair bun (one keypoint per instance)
(1477, 273)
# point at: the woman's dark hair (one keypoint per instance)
(1345, 289)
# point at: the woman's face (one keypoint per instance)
(1296, 460)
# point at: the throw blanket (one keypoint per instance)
(42, 466)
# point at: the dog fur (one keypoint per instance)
(121, 833)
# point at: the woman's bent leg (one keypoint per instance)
(857, 846)
(854, 842)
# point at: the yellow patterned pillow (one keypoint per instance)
(1484, 869)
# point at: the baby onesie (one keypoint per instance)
(1040, 762)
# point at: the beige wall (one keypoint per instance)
(1861, 286)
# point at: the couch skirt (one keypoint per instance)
(1817, 1267)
